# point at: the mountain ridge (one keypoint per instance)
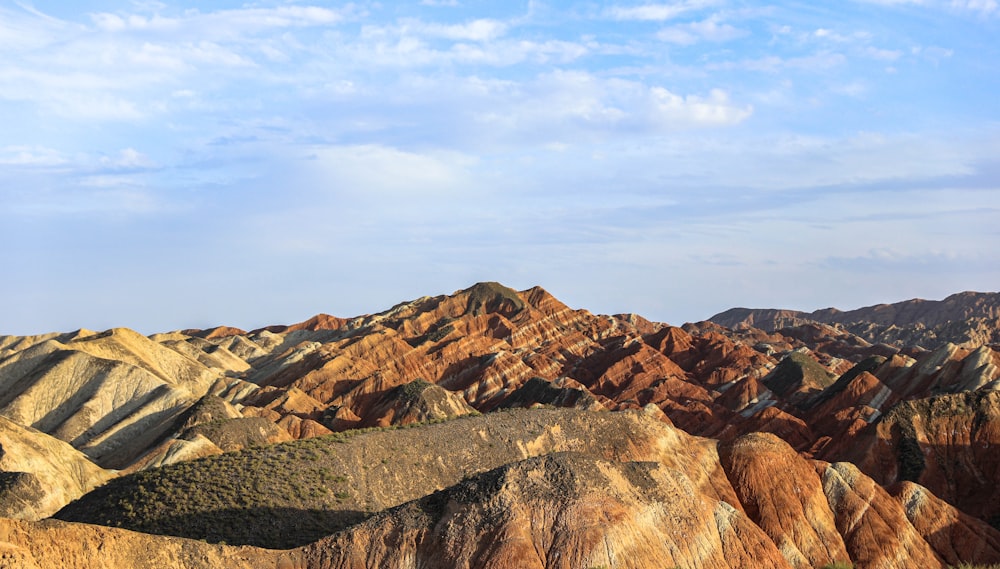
(914, 321)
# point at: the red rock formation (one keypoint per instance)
(956, 537)
(875, 528)
(945, 443)
(782, 494)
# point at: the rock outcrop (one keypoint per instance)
(315, 487)
(945, 443)
(560, 511)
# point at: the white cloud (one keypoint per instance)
(862, 158)
(221, 23)
(883, 54)
(710, 29)
(714, 110)
(983, 7)
(893, 2)
(657, 12)
(127, 159)
(32, 156)
(816, 62)
(449, 3)
(852, 89)
(476, 30)
(103, 196)
(979, 7)
(411, 45)
(568, 107)
(934, 54)
(27, 29)
(373, 172)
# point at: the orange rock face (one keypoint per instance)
(561, 511)
(875, 528)
(945, 443)
(783, 495)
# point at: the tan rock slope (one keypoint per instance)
(50, 543)
(40, 474)
(109, 395)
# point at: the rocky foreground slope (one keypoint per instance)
(855, 421)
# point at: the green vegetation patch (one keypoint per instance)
(234, 434)
(410, 392)
(905, 415)
(798, 372)
(436, 333)
(280, 496)
(539, 391)
(17, 489)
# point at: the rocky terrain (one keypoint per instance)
(764, 438)
(751, 502)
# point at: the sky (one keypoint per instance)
(170, 165)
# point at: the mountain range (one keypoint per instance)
(501, 428)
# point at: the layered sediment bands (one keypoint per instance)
(945, 443)
(956, 537)
(782, 494)
(559, 511)
(830, 391)
(41, 474)
(875, 528)
(110, 395)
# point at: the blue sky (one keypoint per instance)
(173, 165)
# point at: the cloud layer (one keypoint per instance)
(167, 165)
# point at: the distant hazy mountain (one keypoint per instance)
(968, 319)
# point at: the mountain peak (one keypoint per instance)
(486, 297)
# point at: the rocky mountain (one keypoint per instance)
(969, 319)
(403, 433)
